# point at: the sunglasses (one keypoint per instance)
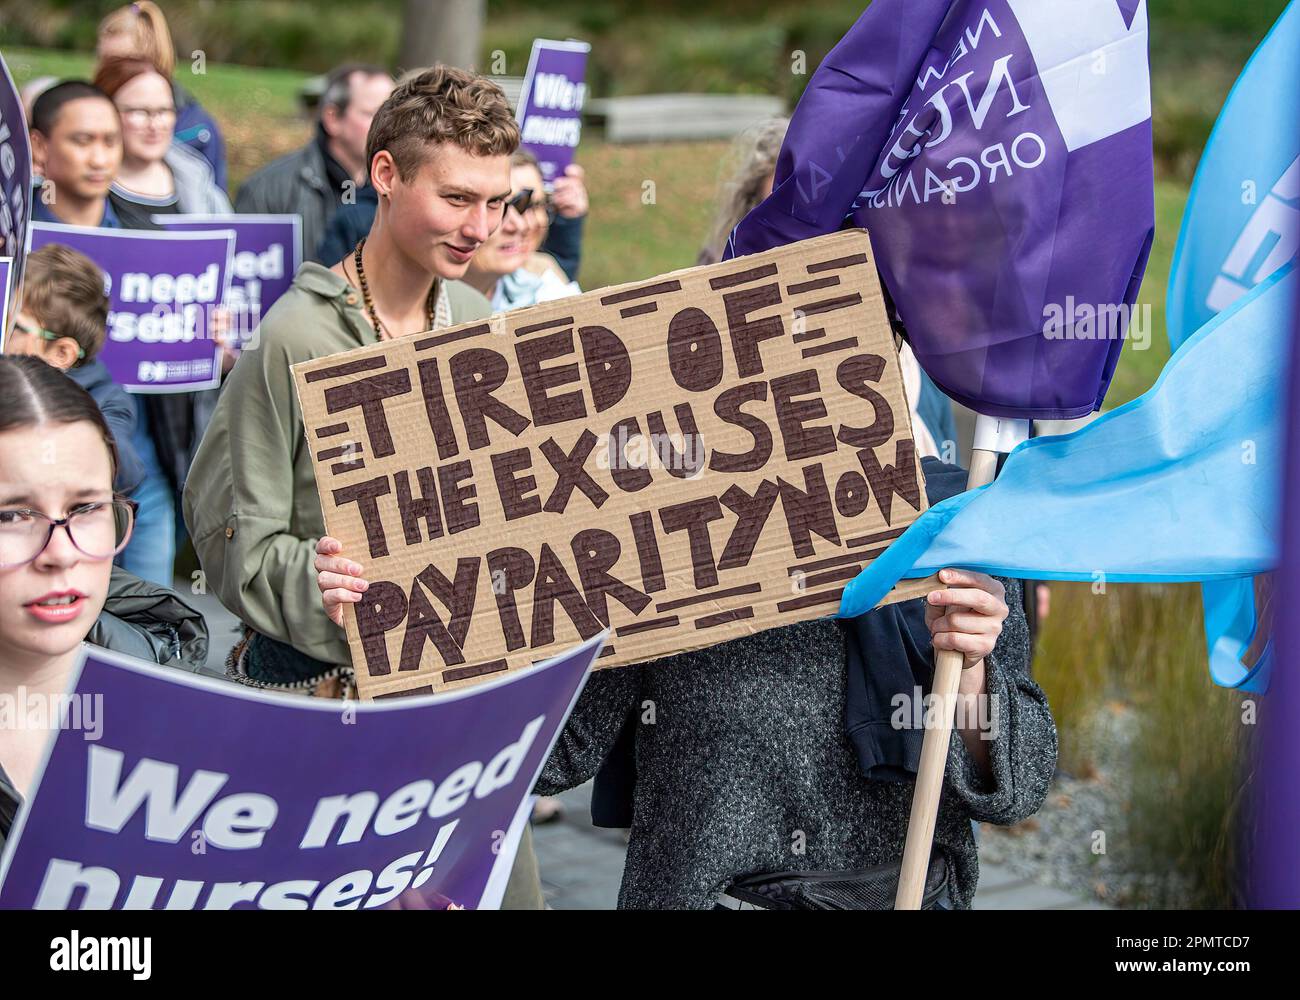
(526, 199)
(44, 334)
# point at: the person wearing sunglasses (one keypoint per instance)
(63, 321)
(508, 268)
(61, 524)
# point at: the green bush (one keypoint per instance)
(1143, 646)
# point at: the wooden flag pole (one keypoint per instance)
(993, 436)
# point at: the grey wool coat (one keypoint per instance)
(743, 765)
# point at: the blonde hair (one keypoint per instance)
(753, 160)
(145, 25)
(442, 104)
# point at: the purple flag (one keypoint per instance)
(163, 288)
(15, 181)
(999, 153)
(162, 790)
(268, 252)
(1275, 864)
(550, 104)
(6, 267)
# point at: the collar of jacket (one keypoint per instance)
(10, 800)
(320, 280)
(312, 170)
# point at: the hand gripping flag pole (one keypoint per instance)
(994, 436)
(999, 153)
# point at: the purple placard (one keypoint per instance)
(550, 104)
(162, 289)
(189, 793)
(15, 178)
(6, 265)
(268, 253)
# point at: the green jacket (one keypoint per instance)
(250, 503)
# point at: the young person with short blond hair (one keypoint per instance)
(439, 154)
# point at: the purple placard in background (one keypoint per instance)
(190, 793)
(163, 287)
(268, 252)
(550, 104)
(15, 179)
(6, 265)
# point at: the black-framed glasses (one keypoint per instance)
(97, 530)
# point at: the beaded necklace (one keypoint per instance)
(430, 305)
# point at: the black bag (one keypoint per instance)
(864, 889)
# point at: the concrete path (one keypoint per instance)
(223, 627)
(582, 866)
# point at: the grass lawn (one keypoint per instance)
(257, 109)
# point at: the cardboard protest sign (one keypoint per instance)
(268, 252)
(550, 104)
(683, 460)
(163, 288)
(163, 790)
(15, 180)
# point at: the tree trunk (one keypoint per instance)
(441, 31)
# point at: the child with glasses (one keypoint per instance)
(61, 524)
(62, 321)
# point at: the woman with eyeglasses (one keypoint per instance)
(139, 31)
(509, 269)
(158, 176)
(60, 527)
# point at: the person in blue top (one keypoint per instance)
(139, 31)
(77, 150)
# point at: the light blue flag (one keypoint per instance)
(1241, 224)
(1180, 484)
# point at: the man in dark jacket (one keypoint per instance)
(312, 182)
